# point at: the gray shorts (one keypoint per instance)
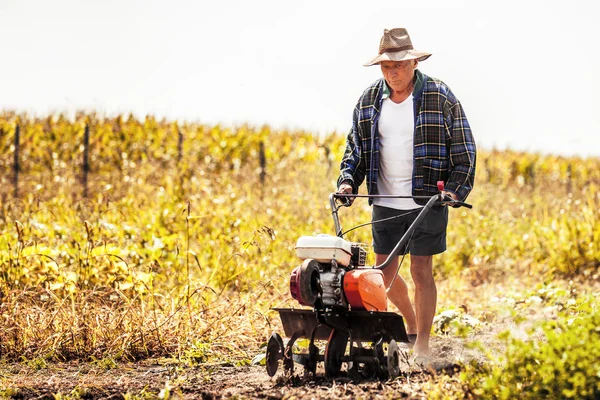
(429, 237)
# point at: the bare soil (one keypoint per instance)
(153, 378)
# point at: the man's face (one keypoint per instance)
(399, 74)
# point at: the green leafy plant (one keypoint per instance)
(560, 360)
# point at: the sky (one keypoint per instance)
(525, 71)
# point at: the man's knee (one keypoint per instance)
(421, 269)
(389, 272)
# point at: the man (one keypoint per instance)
(408, 132)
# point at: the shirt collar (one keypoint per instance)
(419, 84)
(418, 79)
(386, 91)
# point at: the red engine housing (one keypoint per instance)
(295, 286)
(304, 281)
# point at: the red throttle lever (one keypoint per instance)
(440, 185)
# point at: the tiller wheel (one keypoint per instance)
(393, 360)
(275, 350)
(334, 352)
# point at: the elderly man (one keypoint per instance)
(408, 132)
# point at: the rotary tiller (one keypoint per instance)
(348, 305)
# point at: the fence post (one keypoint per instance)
(86, 159)
(531, 176)
(179, 145)
(16, 165)
(327, 157)
(263, 162)
(569, 178)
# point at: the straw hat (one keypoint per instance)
(395, 45)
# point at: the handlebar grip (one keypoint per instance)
(463, 204)
(343, 199)
(455, 203)
(346, 202)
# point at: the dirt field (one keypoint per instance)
(154, 378)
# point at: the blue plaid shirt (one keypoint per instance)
(444, 149)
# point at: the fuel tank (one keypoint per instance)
(365, 289)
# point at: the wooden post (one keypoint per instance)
(179, 145)
(263, 163)
(16, 165)
(569, 178)
(328, 157)
(86, 159)
(530, 176)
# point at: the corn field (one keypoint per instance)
(160, 238)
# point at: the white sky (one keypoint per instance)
(525, 71)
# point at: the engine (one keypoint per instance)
(331, 275)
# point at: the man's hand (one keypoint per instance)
(453, 196)
(346, 188)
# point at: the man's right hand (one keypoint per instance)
(345, 188)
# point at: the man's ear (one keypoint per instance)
(416, 64)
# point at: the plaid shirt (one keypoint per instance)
(444, 149)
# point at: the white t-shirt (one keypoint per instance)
(396, 135)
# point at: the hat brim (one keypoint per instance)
(399, 56)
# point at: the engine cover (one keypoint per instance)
(365, 289)
(324, 249)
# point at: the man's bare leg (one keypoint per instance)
(421, 269)
(398, 294)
